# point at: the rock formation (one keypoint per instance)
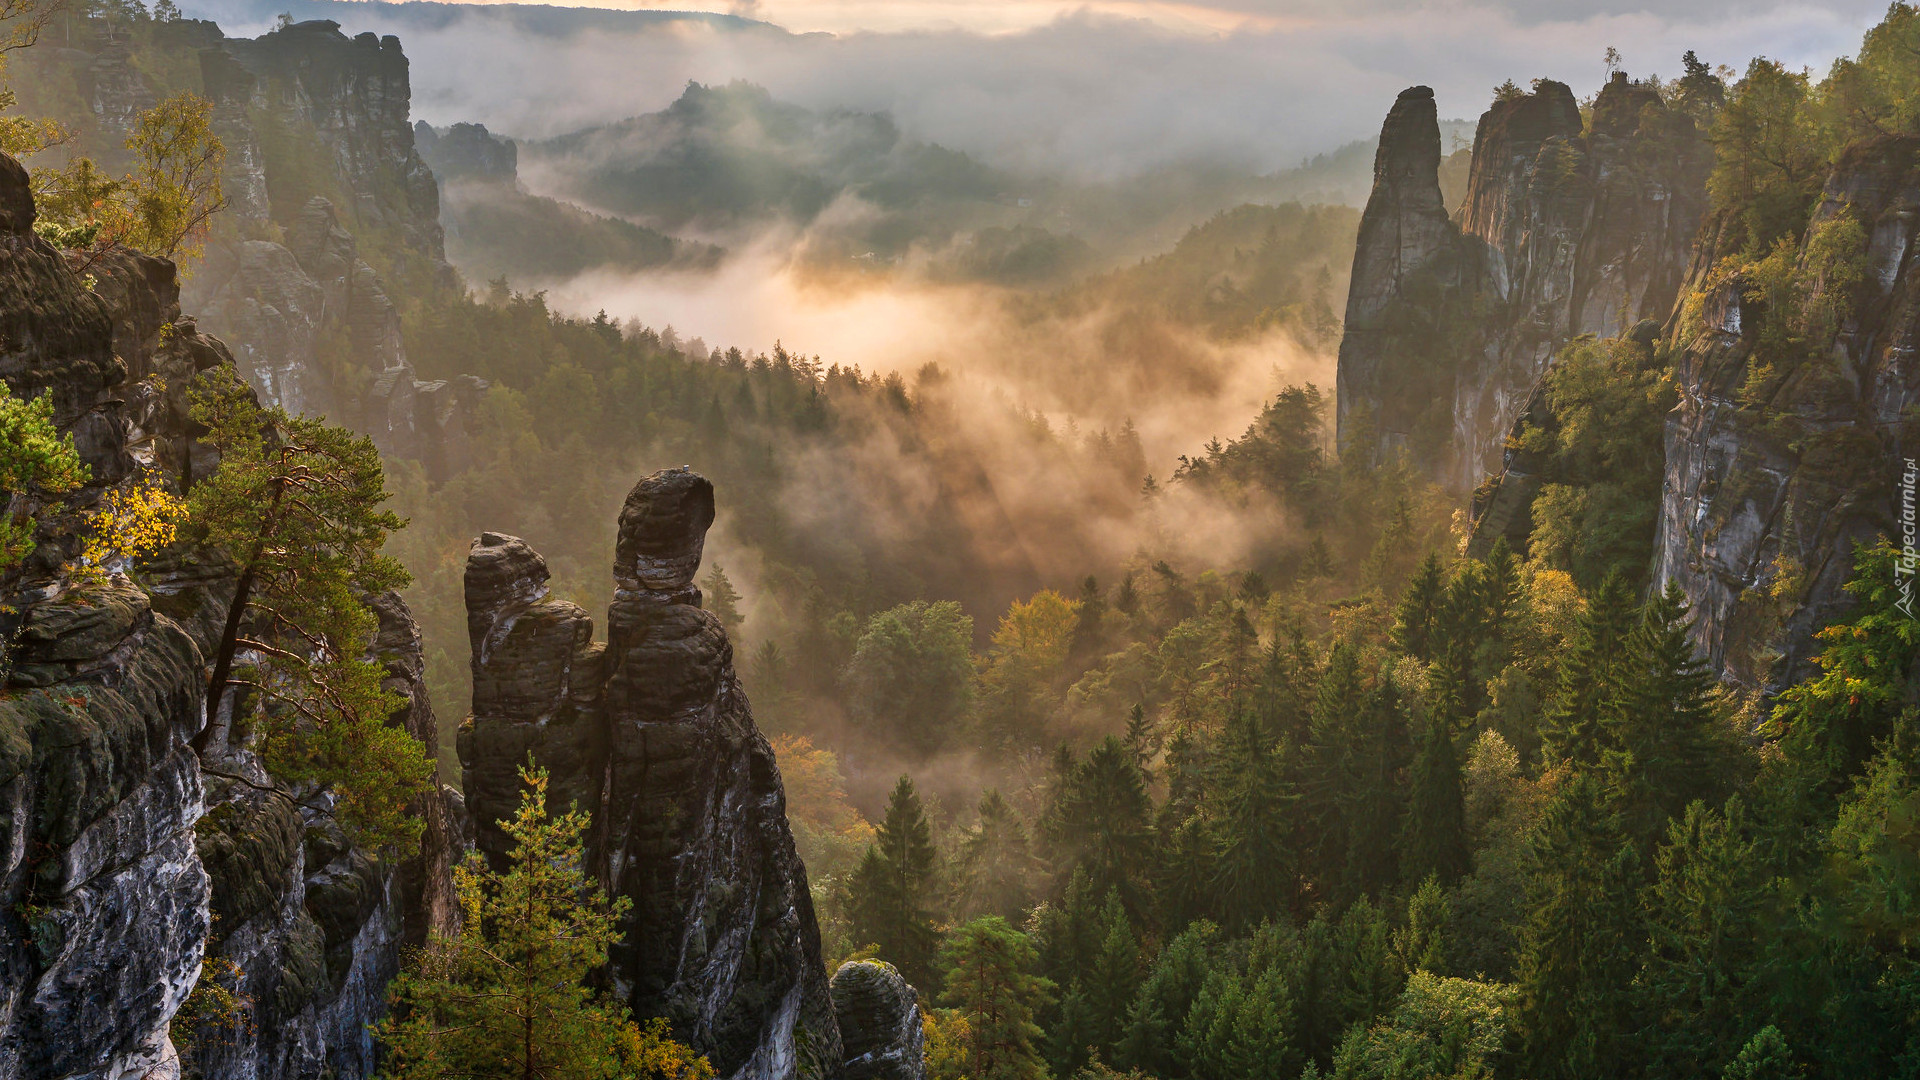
(880, 1026)
(343, 184)
(1602, 228)
(124, 857)
(1770, 482)
(652, 733)
(1564, 230)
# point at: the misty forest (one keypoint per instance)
(1140, 550)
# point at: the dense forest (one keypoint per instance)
(1225, 761)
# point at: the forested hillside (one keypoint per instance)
(1534, 694)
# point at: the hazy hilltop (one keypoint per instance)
(728, 161)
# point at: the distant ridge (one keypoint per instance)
(355, 16)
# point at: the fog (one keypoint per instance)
(1091, 92)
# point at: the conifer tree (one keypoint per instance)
(1579, 949)
(1112, 982)
(893, 885)
(996, 863)
(1372, 808)
(1099, 823)
(1591, 677)
(1435, 839)
(1707, 919)
(1184, 874)
(720, 597)
(1419, 606)
(990, 980)
(1165, 998)
(1255, 869)
(1661, 738)
(299, 514)
(507, 999)
(1336, 761)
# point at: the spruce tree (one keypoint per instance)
(1184, 872)
(1419, 607)
(1335, 762)
(996, 863)
(1113, 981)
(1100, 823)
(1661, 737)
(893, 885)
(1591, 677)
(1160, 1008)
(1372, 807)
(1580, 947)
(1434, 840)
(1255, 869)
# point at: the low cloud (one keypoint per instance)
(1093, 93)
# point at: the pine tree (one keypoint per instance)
(892, 886)
(989, 980)
(300, 517)
(508, 999)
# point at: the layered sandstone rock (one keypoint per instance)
(880, 1023)
(1564, 230)
(123, 855)
(1770, 481)
(652, 733)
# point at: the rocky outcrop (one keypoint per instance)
(124, 858)
(1410, 274)
(1772, 475)
(468, 152)
(296, 296)
(310, 927)
(880, 1026)
(345, 101)
(653, 734)
(103, 901)
(1566, 229)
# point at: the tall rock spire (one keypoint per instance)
(653, 735)
(1406, 267)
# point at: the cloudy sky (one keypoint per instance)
(1097, 88)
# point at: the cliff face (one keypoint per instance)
(321, 159)
(1564, 230)
(1772, 475)
(123, 858)
(1776, 462)
(652, 732)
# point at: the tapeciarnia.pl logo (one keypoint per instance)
(1909, 561)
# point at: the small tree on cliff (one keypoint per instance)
(507, 998)
(295, 506)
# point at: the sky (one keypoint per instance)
(1096, 90)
